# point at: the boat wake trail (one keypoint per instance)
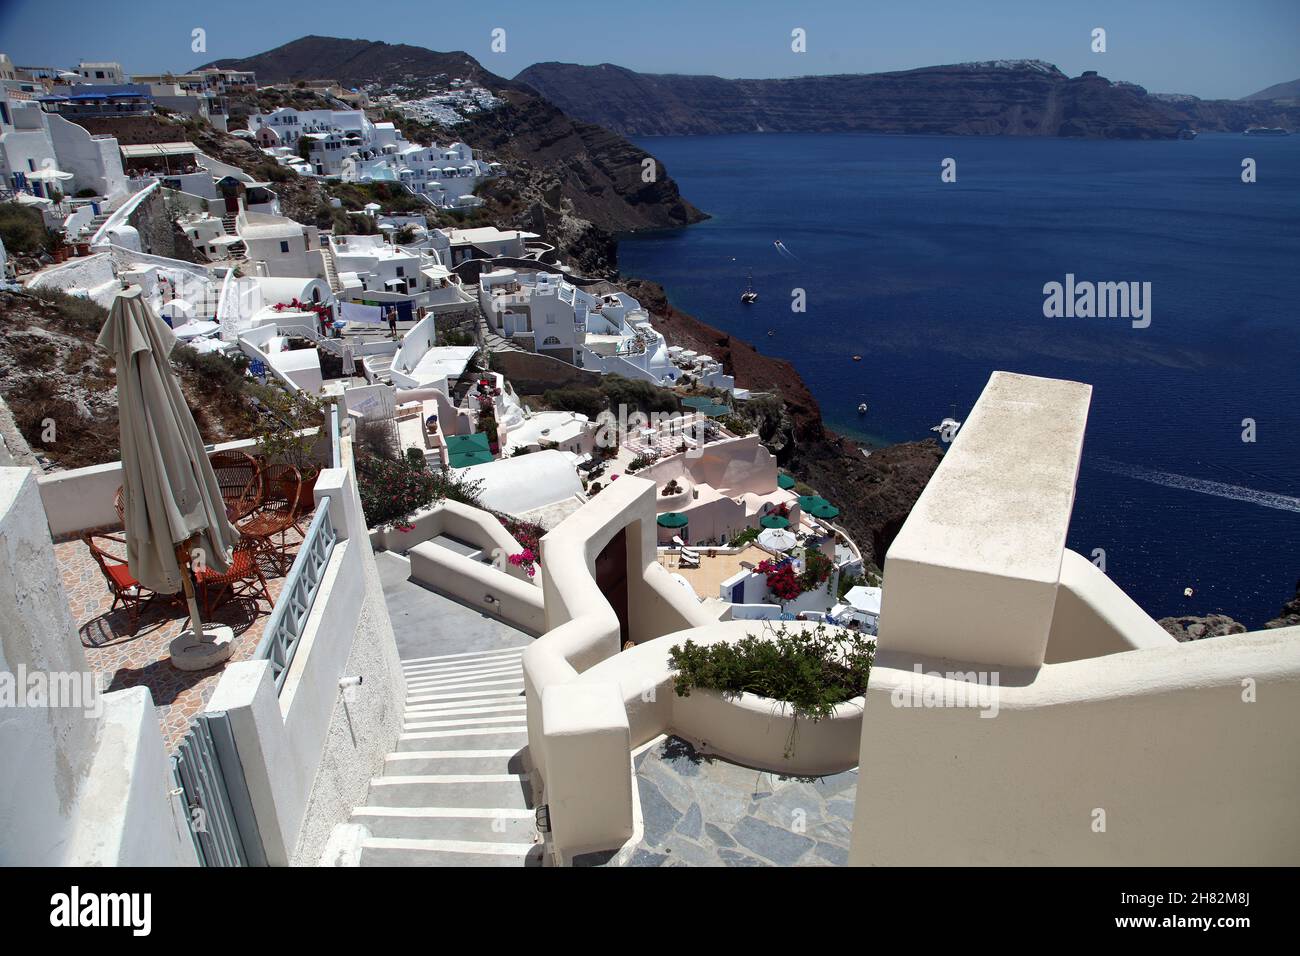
(780, 247)
(1219, 489)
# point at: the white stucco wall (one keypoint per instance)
(53, 746)
(86, 782)
(96, 162)
(309, 753)
(1186, 754)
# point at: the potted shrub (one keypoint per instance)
(58, 246)
(280, 437)
(809, 670)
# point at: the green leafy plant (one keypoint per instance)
(284, 420)
(811, 669)
(23, 231)
(744, 538)
(392, 490)
(817, 569)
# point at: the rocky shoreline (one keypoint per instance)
(1192, 627)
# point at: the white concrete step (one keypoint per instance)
(381, 851)
(469, 739)
(507, 651)
(409, 762)
(477, 824)
(466, 677)
(421, 687)
(477, 721)
(451, 790)
(503, 655)
(465, 696)
(460, 670)
(424, 711)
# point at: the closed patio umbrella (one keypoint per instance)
(170, 494)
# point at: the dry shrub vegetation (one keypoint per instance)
(62, 388)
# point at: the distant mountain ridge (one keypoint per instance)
(1278, 91)
(996, 97)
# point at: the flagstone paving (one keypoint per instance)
(121, 660)
(699, 810)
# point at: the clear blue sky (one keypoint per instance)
(1209, 48)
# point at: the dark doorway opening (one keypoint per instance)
(611, 578)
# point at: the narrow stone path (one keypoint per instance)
(705, 811)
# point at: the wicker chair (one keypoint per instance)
(127, 591)
(240, 481)
(243, 579)
(279, 512)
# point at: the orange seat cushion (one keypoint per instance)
(121, 576)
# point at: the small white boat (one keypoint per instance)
(862, 408)
(749, 295)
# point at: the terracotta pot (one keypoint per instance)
(306, 491)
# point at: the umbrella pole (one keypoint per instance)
(196, 622)
(196, 649)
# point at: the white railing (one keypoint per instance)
(289, 618)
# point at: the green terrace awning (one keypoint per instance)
(672, 519)
(774, 521)
(463, 459)
(785, 481)
(826, 510)
(465, 450)
(467, 443)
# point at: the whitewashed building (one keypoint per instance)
(610, 333)
(346, 145)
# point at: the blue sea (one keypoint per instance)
(936, 285)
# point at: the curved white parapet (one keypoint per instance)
(111, 226)
(1093, 616)
(576, 673)
(745, 729)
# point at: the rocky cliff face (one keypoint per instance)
(1013, 98)
(1290, 616)
(1009, 98)
(1233, 116)
(1191, 627)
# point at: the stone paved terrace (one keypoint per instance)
(122, 660)
(708, 577)
(700, 810)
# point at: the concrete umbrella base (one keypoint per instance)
(192, 652)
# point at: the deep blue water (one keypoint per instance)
(937, 285)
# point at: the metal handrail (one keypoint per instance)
(288, 619)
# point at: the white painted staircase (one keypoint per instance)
(456, 791)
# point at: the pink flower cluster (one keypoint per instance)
(525, 559)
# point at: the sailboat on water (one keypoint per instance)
(749, 295)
